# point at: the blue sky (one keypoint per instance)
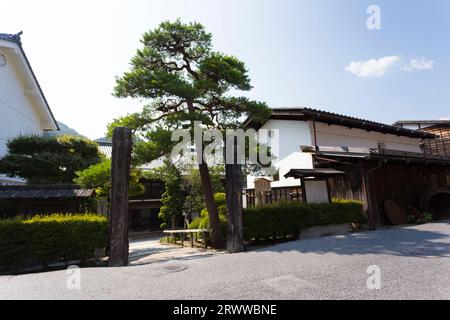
(299, 53)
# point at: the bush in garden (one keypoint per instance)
(49, 160)
(51, 238)
(203, 223)
(221, 201)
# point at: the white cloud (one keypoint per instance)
(372, 67)
(420, 64)
(444, 118)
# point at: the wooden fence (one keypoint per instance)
(275, 195)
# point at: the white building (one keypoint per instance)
(293, 128)
(23, 107)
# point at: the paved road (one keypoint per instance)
(415, 264)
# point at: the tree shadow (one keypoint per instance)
(405, 241)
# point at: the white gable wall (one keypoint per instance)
(17, 115)
(18, 112)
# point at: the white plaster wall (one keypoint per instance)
(296, 160)
(288, 136)
(17, 115)
(342, 136)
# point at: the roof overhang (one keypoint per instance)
(313, 173)
(12, 47)
(308, 114)
(30, 192)
(421, 122)
(382, 155)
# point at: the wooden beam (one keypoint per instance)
(234, 185)
(120, 176)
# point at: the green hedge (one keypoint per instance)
(288, 219)
(51, 238)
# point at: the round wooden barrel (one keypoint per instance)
(394, 211)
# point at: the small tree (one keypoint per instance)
(195, 199)
(173, 197)
(48, 160)
(98, 176)
(187, 81)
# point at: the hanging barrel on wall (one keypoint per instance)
(394, 211)
(436, 202)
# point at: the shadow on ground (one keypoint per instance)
(420, 241)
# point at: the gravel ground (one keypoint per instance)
(150, 250)
(414, 262)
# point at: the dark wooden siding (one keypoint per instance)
(348, 186)
(407, 183)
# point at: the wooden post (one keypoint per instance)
(234, 185)
(303, 187)
(120, 176)
(369, 202)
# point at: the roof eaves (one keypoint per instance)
(339, 119)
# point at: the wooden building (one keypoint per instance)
(441, 128)
(145, 208)
(46, 199)
(390, 168)
(413, 180)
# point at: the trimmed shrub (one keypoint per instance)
(283, 220)
(203, 223)
(51, 238)
(195, 223)
(221, 200)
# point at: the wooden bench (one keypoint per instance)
(191, 233)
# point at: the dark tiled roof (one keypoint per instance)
(426, 122)
(11, 37)
(15, 38)
(44, 192)
(339, 119)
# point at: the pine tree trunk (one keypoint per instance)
(216, 236)
(214, 222)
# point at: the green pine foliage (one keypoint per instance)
(48, 160)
